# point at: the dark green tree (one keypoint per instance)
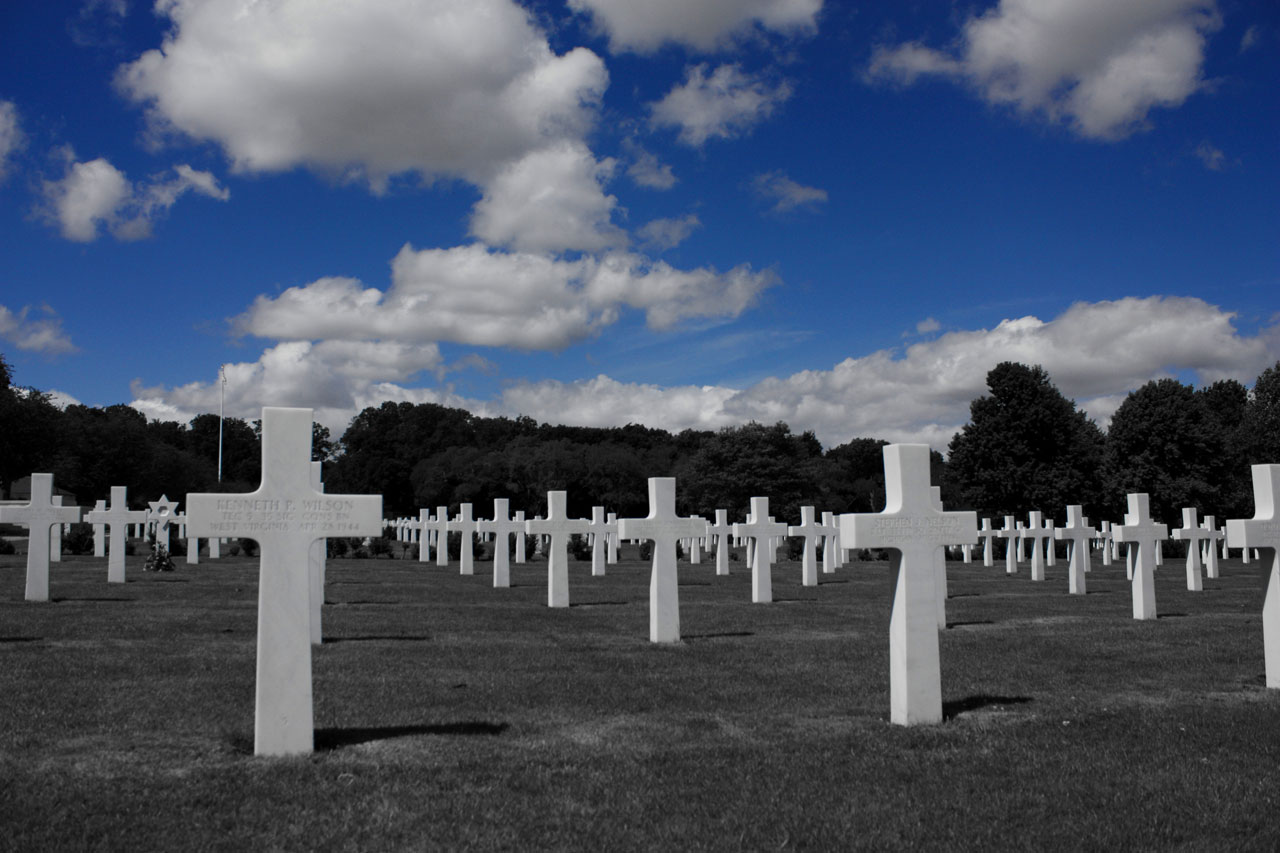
(1026, 447)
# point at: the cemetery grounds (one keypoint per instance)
(451, 715)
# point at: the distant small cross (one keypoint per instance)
(1034, 533)
(1193, 534)
(501, 526)
(1212, 536)
(988, 536)
(1010, 534)
(117, 519)
(600, 532)
(1142, 533)
(812, 532)
(720, 532)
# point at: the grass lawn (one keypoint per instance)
(453, 715)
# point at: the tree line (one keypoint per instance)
(1025, 447)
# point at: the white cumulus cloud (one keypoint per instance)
(476, 295)
(644, 27)
(723, 104)
(1098, 65)
(35, 330)
(11, 136)
(661, 234)
(785, 193)
(371, 89)
(95, 194)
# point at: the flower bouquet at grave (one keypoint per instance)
(158, 560)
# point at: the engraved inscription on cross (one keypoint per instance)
(914, 531)
(1263, 532)
(40, 515)
(284, 516)
(664, 527)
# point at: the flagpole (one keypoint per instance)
(222, 399)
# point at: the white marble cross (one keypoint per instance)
(316, 563)
(1263, 532)
(939, 565)
(611, 541)
(914, 531)
(1034, 532)
(1142, 534)
(559, 526)
(830, 548)
(520, 534)
(162, 512)
(1077, 534)
(99, 530)
(117, 519)
(811, 531)
(502, 526)
(988, 537)
(438, 526)
(41, 515)
(1010, 533)
(664, 528)
(1108, 546)
(465, 525)
(1193, 534)
(284, 516)
(721, 531)
(1212, 534)
(760, 529)
(600, 531)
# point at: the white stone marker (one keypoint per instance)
(611, 541)
(40, 516)
(1077, 534)
(519, 519)
(1022, 541)
(939, 566)
(438, 525)
(99, 530)
(721, 531)
(1010, 533)
(559, 527)
(599, 541)
(988, 536)
(465, 525)
(162, 512)
(316, 567)
(215, 548)
(285, 515)
(829, 546)
(1211, 536)
(663, 527)
(1142, 534)
(55, 535)
(1193, 535)
(1034, 532)
(759, 528)
(118, 519)
(1108, 546)
(914, 531)
(1263, 532)
(502, 526)
(811, 531)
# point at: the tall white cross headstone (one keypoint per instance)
(117, 519)
(1108, 546)
(1077, 534)
(760, 529)
(721, 531)
(1212, 535)
(99, 530)
(914, 531)
(1263, 532)
(1034, 533)
(664, 528)
(40, 516)
(438, 526)
(559, 526)
(1010, 534)
(502, 526)
(599, 540)
(811, 531)
(1141, 534)
(465, 525)
(285, 515)
(1193, 534)
(829, 547)
(520, 534)
(611, 541)
(988, 536)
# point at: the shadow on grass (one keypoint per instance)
(601, 604)
(20, 639)
(956, 707)
(967, 624)
(965, 595)
(1173, 615)
(373, 638)
(168, 580)
(327, 740)
(721, 634)
(75, 600)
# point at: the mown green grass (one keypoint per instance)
(453, 715)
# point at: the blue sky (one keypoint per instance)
(840, 215)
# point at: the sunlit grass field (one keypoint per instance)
(450, 715)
